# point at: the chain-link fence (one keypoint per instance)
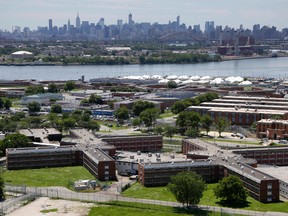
(31, 193)
(10, 205)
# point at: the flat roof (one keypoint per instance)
(37, 150)
(244, 105)
(241, 110)
(253, 101)
(178, 164)
(254, 98)
(278, 172)
(135, 157)
(96, 154)
(273, 121)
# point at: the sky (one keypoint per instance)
(34, 13)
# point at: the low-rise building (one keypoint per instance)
(143, 143)
(272, 129)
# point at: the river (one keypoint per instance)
(265, 67)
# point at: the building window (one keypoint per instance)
(106, 167)
(106, 172)
(269, 186)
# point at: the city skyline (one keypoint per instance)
(32, 13)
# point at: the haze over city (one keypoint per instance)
(34, 13)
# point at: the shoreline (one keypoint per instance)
(225, 58)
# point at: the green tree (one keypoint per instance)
(187, 187)
(206, 123)
(170, 131)
(159, 130)
(7, 103)
(69, 86)
(37, 89)
(68, 123)
(149, 116)
(140, 106)
(142, 59)
(136, 122)
(180, 106)
(95, 99)
(56, 108)
(121, 114)
(53, 88)
(171, 84)
(221, 124)
(231, 190)
(34, 107)
(188, 120)
(2, 185)
(92, 125)
(15, 141)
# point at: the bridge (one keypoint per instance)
(182, 37)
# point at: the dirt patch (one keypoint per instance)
(53, 207)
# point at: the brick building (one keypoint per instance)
(101, 165)
(272, 129)
(243, 111)
(148, 143)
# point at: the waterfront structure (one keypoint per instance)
(21, 54)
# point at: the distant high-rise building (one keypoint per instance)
(78, 21)
(69, 25)
(119, 23)
(101, 23)
(130, 20)
(178, 21)
(50, 25)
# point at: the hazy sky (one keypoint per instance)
(33, 13)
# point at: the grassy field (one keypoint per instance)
(240, 142)
(60, 176)
(172, 141)
(166, 114)
(161, 193)
(139, 209)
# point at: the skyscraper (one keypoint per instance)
(178, 22)
(130, 20)
(119, 23)
(69, 25)
(50, 25)
(78, 21)
(101, 23)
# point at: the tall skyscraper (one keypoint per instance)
(130, 20)
(101, 23)
(178, 22)
(50, 25)
(120, 23)
(78, 21)
(69, 25)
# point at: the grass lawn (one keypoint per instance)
(161, 193)
(60, 176)
(241, 142)
(166, 114)
(172, 141)
(139, 209)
